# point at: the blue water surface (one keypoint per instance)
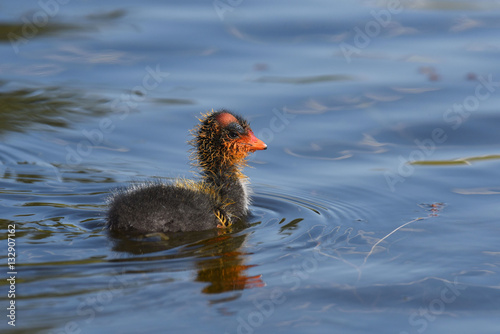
(375, 208)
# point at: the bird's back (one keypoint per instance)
(161, 208)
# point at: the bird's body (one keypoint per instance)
(221, 143)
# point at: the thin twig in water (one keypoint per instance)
(387, 236)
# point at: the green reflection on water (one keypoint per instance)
(306, 80)
(22, 108)
(461, 161)
(17, 33)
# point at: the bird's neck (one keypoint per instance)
(230, 184)
(224, 173)
(219, 169)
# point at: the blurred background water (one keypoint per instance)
(375, 207)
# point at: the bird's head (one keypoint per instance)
(222, 141)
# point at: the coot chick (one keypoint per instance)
(221, 143)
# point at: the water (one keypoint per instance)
(375, 208)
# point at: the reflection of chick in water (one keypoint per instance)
(226, 270)
(216, 256)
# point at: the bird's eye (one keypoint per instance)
(233, 134)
